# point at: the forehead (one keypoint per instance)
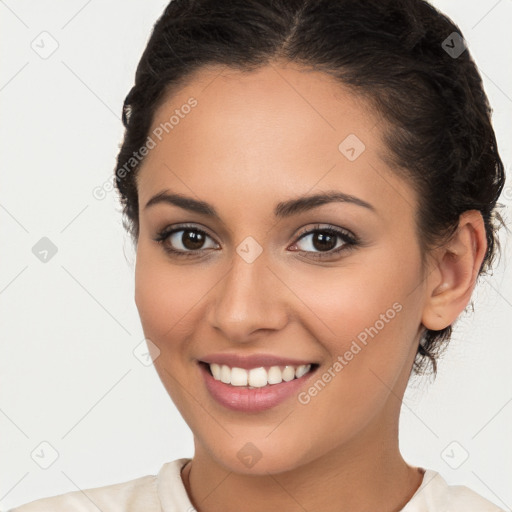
(273, 133)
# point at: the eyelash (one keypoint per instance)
(350, 240)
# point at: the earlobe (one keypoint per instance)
(458, 262)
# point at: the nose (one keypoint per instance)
(249, 299)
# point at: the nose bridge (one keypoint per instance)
(248, 298)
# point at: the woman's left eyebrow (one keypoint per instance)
(304, 203)
(282, 209)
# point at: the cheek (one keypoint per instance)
(371, 323)
(368, 312)
(165, 295)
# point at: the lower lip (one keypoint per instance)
(244, 399)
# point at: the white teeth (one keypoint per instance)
(225, 374)
(257, 377)
(288, 373)
(302, 370)
(275, 375)
(239, 377)
(215, 368)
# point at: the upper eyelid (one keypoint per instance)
(325, 227)
(170, 230)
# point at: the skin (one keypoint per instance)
(253, 140)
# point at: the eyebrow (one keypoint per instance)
(282, 210)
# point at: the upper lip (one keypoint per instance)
(252, 361)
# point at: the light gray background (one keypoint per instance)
(69, 326)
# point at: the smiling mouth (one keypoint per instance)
(259, 377)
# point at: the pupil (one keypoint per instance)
(325, 241)
(192, 240)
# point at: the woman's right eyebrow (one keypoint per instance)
(283, 209)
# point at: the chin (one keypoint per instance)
(259, 457)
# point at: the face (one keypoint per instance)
(270, 282)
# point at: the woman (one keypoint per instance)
(311, 186)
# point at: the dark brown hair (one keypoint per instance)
(409, 60)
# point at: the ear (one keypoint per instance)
(452, 280)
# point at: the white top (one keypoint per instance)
(165, 492)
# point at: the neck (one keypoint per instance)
(367, 473)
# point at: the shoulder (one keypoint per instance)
(435, 495)
(137, 495)
(461, 496)
(133, 495)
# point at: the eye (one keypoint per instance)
(184, 240)
(188, 241)
(328, 240)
